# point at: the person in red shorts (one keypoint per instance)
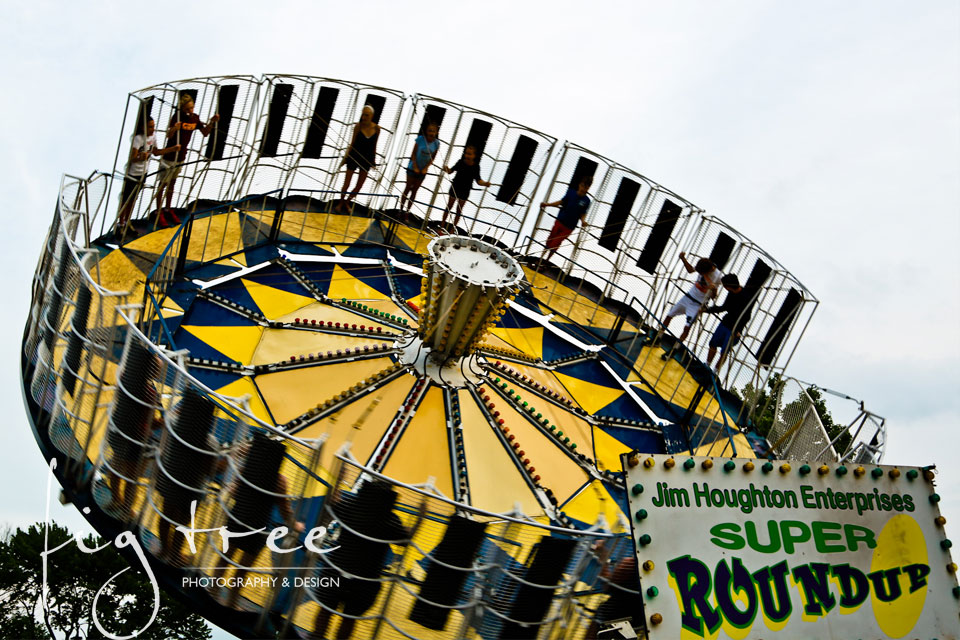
(573, 209)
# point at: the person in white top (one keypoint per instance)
(144, 144)
(706, 287)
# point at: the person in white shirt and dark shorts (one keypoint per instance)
(705, 287)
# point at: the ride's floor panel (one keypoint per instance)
(265, 306)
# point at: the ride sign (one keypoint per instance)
(740, 549)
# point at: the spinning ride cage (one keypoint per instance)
(451, 408)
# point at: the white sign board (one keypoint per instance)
(752, 549)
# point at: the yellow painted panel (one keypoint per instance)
(589, 395)
(565, 300)
(556, 469)
(496, 483)
(153, 242)
(398, 608)
(117, 272)
(608, 450)
(306, 226)
(237, 343)
(241, 387)
(344, 285)
(323, 227)
(528, 341)
(672, 382)
(214, 236)
(414, 239)
(294, 469)
(423, 450)
(103, 311)
(592, 501)
(417, 300)
(277, 345)
(322, 312)
(345, 424)
(345, 228)
(275, 302)
(571, 425)
(290, 393)
(721, 446)
(744, 450)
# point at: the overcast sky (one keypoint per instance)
(829, 133)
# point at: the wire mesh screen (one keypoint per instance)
(303, 131)
(396, 561)
(271, 489)
(212, 163)
(797, 431)
(511, 156)
(135, 417)
(626, 210)
(770, 285)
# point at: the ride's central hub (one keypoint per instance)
(466, 287)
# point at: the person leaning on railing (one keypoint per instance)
(693, 301)
(144, 144)
(467, 169)
(182, 125)
(573, 210)
(737, 309)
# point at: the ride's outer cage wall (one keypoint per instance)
(712, 525)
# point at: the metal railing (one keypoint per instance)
(135, 438)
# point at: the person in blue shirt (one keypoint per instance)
(573, 209)
(424, 151)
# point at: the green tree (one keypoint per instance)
(73, 579)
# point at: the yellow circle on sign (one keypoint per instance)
(901, 543)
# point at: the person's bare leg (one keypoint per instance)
(664, 328)
(414, 187)
(170, 193)
(712, 351)
(362, 177)
(161, 191)
(723, 356)
(125, 210)
(456, 218)
(343, 190)
(446, 210)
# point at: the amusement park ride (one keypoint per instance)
(432, 422)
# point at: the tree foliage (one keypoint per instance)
(73, 579)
